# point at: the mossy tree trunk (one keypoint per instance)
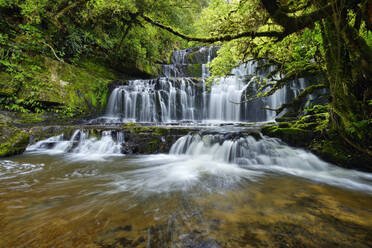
(348, 60)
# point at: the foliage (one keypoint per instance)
(328, 38)
(82, 33)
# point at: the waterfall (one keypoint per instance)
(156, 100)
(181, 94)
(264, 155)
(80, 146)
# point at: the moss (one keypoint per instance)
(13, 141)
(313, 132)
(314, 117)
(285, 119)
(169, 58)
(194, 70)
(72, 89)
(153, 146)
(5, 85)
(160, 131)
(307, 126)
(31, 118)
(317, 109)
(333, 149)
(98, 69)
(284, 124)
(191, 58)
(95, 133)
(316, 122)
(291, 135)
(147, 70)
(291, 114)
(134, 128)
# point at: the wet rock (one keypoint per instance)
(292, 136)
(196, 240)
(13, 141)
(138, 241)
(149, 140)
(126, 228)
(124, 242)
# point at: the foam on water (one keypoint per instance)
(212, 163)
(10, 169)
(80, 146)
(271, 155)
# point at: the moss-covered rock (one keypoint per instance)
(150, 139)
(44, 83)
(194, 70)
(291, 135)
(13, 140)
(312, 131)
(334, 149)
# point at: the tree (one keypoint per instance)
(338, 34)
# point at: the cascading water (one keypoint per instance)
(80, 146)
(182, 94)
(217, 187)
(158, 100)
(266, 155)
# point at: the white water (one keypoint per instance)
(178, 97)
(250, 158)
(212, 162)
(140, 101)
(193, 157)
(80, 146)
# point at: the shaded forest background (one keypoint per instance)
(58, 56)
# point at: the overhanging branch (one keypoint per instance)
(296, 103)
(252, 34)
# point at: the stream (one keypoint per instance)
(204, 193)
(213, 189)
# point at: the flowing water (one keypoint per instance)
(209, 191)
(215, 188)
(182, 94)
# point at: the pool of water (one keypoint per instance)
(174, 201)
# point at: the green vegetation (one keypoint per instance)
(328, 40)
(13, 140)
(59, 55)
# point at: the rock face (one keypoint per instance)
(134, 139)
(13, 141)
(128, 138)
(148, 140)
(312, 132)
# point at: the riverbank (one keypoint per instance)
(311, 131)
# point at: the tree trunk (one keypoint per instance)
(348, 59)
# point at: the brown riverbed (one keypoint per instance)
(54, 201)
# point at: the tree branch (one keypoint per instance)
(253, 34)
(290, 24)
(294, 24)
(309, 70)
(296, 103)
(67, 8)
(55, 55)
